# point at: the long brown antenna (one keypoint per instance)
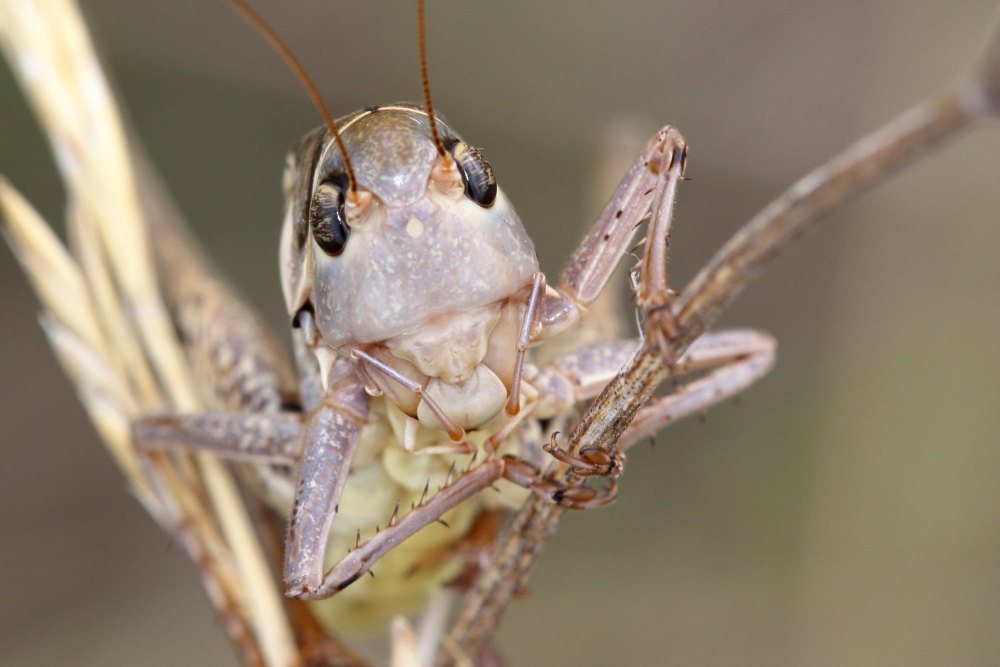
(271, 36)
(425, 79)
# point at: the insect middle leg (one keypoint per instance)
(321, 445)
(732, 361)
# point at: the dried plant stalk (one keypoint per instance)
(914, 134)
(105, 317)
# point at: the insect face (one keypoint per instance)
(425, 268)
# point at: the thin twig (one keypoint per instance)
(908, 137)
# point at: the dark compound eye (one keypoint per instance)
(327, 218)
(477, 174)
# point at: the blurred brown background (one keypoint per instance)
(844, 512)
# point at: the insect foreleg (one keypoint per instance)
(329, 439)
(647, 187)
(474, 480)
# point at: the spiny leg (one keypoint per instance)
(241, 436)
(652, 292)
(608, 319)
(734, 358)
(738, 358)
(647, 189)
(322, 445)
(653, 299)
(330, 437)
(265, 438)
(469, 483)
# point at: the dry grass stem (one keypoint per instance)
(106, 319)
(912, 135)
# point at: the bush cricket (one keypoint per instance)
(697, 176)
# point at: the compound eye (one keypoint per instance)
(327, 218)
(477, 174)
